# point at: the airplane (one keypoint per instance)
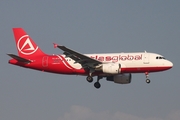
(115, 67)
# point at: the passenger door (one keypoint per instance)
(146, 58)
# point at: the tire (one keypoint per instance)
(89, 79)
(97, 85)
(148, 81)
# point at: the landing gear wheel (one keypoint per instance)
(89, 79)
(148, 81)
(97, 85)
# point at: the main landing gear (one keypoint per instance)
(96, 84)
(90, 78)
(147, 75)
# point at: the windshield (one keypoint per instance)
(160, 57)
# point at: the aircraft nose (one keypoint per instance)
(170, 64)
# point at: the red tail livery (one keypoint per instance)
(25, 45)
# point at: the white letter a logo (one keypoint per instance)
(28, 42)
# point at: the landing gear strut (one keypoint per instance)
(147, 75)
(97, 84)
(90, 78)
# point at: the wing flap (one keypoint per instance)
(20, 59)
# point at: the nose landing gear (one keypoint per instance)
(148, 81)
(147, 75)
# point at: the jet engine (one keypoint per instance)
(120, 79)
(111, 68)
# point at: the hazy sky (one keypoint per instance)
(93, 26)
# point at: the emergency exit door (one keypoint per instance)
(45, 61)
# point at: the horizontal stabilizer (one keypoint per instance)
(20, 59)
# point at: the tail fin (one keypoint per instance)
(25, 45)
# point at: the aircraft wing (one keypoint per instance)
(84, 60)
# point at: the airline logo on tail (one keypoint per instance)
(25, 45)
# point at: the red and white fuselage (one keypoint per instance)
(116, 67)
(139, 62)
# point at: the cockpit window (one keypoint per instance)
(160, 57)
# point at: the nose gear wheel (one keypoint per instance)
(147, 75)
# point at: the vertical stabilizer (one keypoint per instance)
(25, 45)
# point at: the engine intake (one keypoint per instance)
(111, 68)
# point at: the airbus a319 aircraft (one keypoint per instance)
(116, 67)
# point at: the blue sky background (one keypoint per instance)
(94, 26)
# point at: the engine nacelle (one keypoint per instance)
(121, 78)
(111, 68)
